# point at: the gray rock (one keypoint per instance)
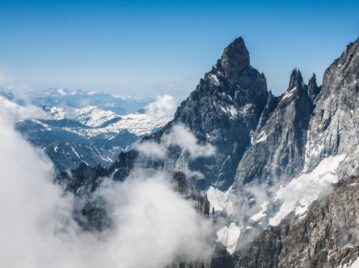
(334, 126)
(223, 110)
(327, 236)
(277, 149)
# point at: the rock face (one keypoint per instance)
(264, 144)
(67, 149)
(275, 157)
(277, 149)
(334, 125)
(327, 236)
(223, 110)
(313, 88)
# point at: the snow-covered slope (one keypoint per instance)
(80, 126)
(301, 191)
(98, 121)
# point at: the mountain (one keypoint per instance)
(67, 147)
(81, 126)
(223, 111)
(274, 157)
(322, 234)
(279, 151)
(326, 236)
(82, 98)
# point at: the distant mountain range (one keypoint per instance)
(82, 126)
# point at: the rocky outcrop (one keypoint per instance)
(182, 185)
(327, 236)
(223, 110)
(277, 148)
(313, 88)
(335, 122)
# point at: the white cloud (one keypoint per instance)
(14, 112)
(180, 136)
(188, 142)
(151, 149)
(153, 224)
(164, 107)
(32, 207)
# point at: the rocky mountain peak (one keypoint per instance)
(296, 79)
(235, 59)
(313, 88)
(313, 81)
(336, 115)
(346, 66)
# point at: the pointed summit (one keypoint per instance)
(235, 59)
(296, 79)
(313, 81)
(313, 88)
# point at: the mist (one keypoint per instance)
(152, 224)
(163, 107)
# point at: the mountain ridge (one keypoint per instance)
(265, 146)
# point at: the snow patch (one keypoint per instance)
(74, 151)
(214, 79)
(306, 188)
(219, 201)
(230, 110)
(228, 236)
(289, 93)
(262, 137)
(137, 123)
(354, 264)
(261, 213)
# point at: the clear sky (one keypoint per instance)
(145, 48)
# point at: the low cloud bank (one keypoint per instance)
(180, 136)
(153, 224)
(190, 147)
(164, 107)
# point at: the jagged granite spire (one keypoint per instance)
(234, 60)
(313, 88)
(277, 145)
(223, 110)
(296, 79)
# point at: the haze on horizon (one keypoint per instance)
(143, 48)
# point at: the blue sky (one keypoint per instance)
(145, 48)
